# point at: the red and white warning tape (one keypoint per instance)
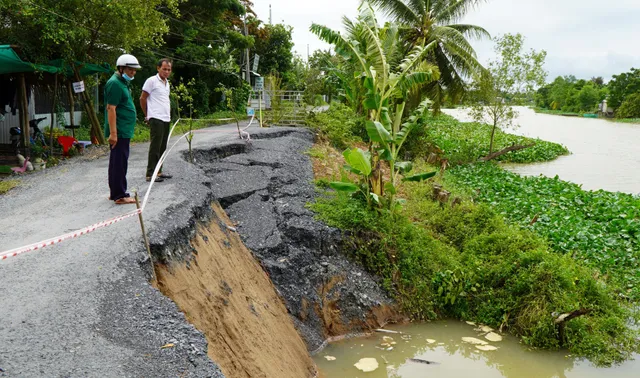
(70, 235)
(106, 223)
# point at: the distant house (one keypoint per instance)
(40, 103)
(604, 110)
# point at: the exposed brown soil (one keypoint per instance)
(226, 294)
(334, 325)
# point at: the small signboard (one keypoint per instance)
(259, 83)
(256, 60)
(78, 87)
(251, 112)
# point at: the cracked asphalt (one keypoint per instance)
(85, 308)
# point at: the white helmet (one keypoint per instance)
(128, 60)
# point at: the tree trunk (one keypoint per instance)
(561, 321)
(53, 110)
(505, 150)
(376, 175)
(97, 136)
(493, 133)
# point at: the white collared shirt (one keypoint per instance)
(158, 104)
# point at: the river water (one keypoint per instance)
(604, 156)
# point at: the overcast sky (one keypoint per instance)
(582, 37)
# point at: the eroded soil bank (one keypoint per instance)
(221, 285)
(225, 293)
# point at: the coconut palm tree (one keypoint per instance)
(424, 22)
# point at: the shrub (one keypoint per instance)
(630, 107)
(466, 262)
(340, 125)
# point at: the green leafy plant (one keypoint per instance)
(231, 95)
(182, 93)
(374, 49)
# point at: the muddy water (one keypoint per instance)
(604, 154)
(455, 358)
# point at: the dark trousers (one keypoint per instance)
(118, 165)
(159, 137)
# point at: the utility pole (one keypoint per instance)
(247, 71)
(307, 54)
(269, 14)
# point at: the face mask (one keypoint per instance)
(126, 77)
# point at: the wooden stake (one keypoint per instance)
(96, 130)
(146, 240)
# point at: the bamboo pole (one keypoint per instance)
(26, 134)
(53, 109)
(72, 109)
(144, 237)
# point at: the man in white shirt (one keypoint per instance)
(156, 106)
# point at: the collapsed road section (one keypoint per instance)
(86, 307)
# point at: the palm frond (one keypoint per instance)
(453, 10)
(398, 11)
(471, 31)
(335, 38)
(417, 55)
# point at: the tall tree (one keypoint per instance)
(514, 73)
(275, 49)
(623, 85)
(435, 21)
(85, 30)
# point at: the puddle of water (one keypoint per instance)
(456, 358)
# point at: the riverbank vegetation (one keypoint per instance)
(467, 142)
(601, 229)
(461, 259)
(516, 255)
(567, 95)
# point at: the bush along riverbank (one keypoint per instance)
(448, 256)
(466, 142)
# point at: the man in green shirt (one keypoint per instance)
(119, 123)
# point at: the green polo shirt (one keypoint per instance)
(118, 93)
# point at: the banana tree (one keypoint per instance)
(387, 79)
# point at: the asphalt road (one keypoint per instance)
(85, 307)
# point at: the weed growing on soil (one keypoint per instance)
(340, 125)
(6, 185)
(466, 142)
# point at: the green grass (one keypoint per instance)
(466, 142)
(624, 120)
(339, 125)
(485, 260)
(6, 185)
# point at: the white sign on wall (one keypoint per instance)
(78, 87)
